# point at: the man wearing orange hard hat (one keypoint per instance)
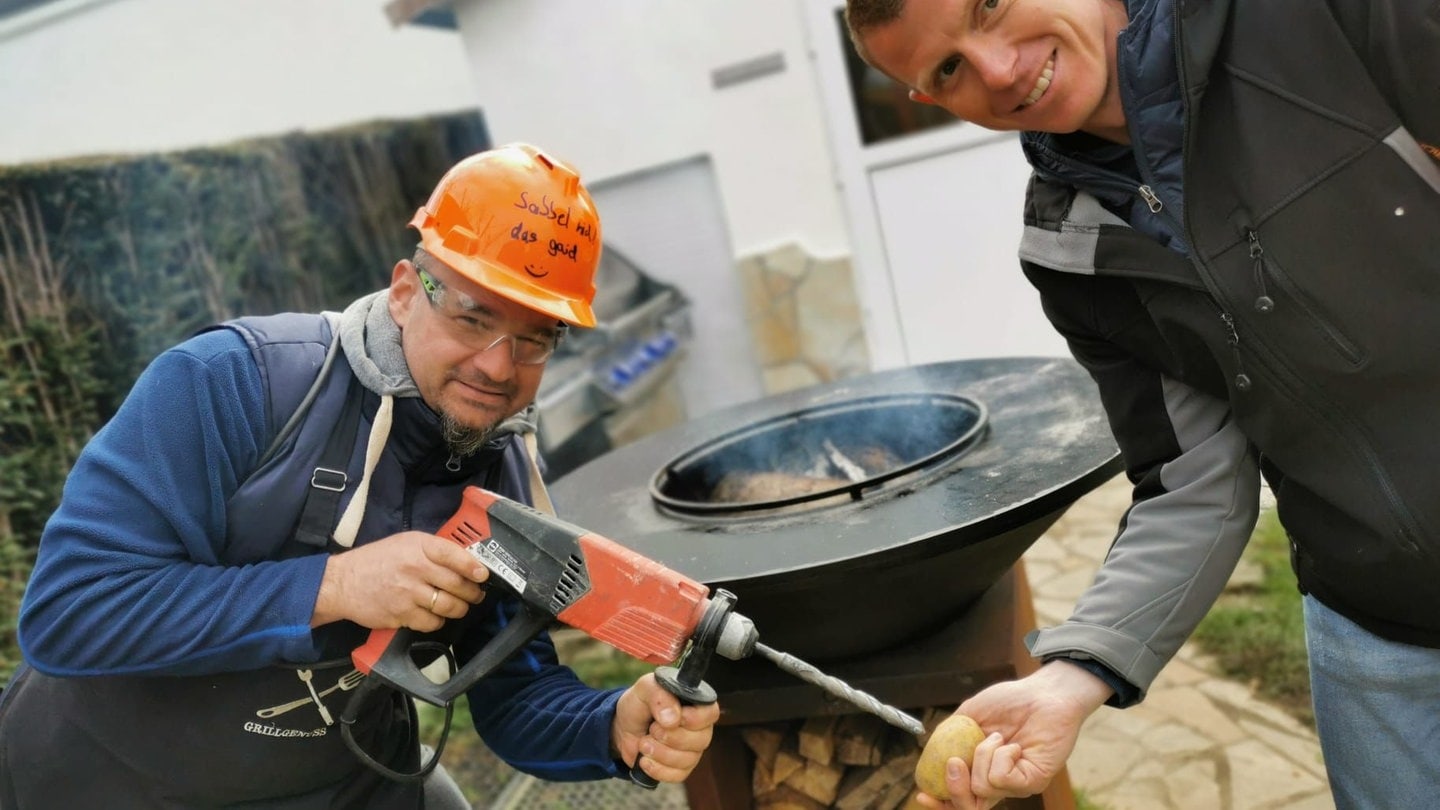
(267, 495)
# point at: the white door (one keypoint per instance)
(934, 207)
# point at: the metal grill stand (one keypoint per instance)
(983, 646)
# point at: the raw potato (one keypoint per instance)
(956, 736)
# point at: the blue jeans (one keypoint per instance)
(1377, 708)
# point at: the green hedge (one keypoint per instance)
(105, 262)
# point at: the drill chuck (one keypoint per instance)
(737, 637)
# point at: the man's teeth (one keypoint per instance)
(1041, 84)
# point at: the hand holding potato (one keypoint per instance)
(956, 736)
(1032, 722)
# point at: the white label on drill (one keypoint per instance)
(501, 564)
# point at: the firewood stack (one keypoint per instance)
(847, 762)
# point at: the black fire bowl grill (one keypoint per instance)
(868, 511)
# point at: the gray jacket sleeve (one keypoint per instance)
(1175, 550)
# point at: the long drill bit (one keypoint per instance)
(842, 690)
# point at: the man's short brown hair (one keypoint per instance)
(863, 15)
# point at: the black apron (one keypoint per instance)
(245, 739)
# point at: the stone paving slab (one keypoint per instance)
(1199, 741)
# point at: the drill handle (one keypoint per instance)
(699, 693)
(387, 657)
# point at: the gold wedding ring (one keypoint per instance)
(434, 594)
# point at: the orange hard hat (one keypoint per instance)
(519, 223)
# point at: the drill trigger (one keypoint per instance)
(528, 623)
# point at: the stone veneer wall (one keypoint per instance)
(804, 318)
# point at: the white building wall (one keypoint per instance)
(80, 77)
(623, 85)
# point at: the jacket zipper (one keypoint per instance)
(1264, 304)
(1148, 195)
(1232, 336)
(1265, 268)
(1289, 386)
(1294, 390)
(1095, 179)
(407, 506)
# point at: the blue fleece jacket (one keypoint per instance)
(134, 576)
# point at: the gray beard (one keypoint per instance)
(463, 440)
